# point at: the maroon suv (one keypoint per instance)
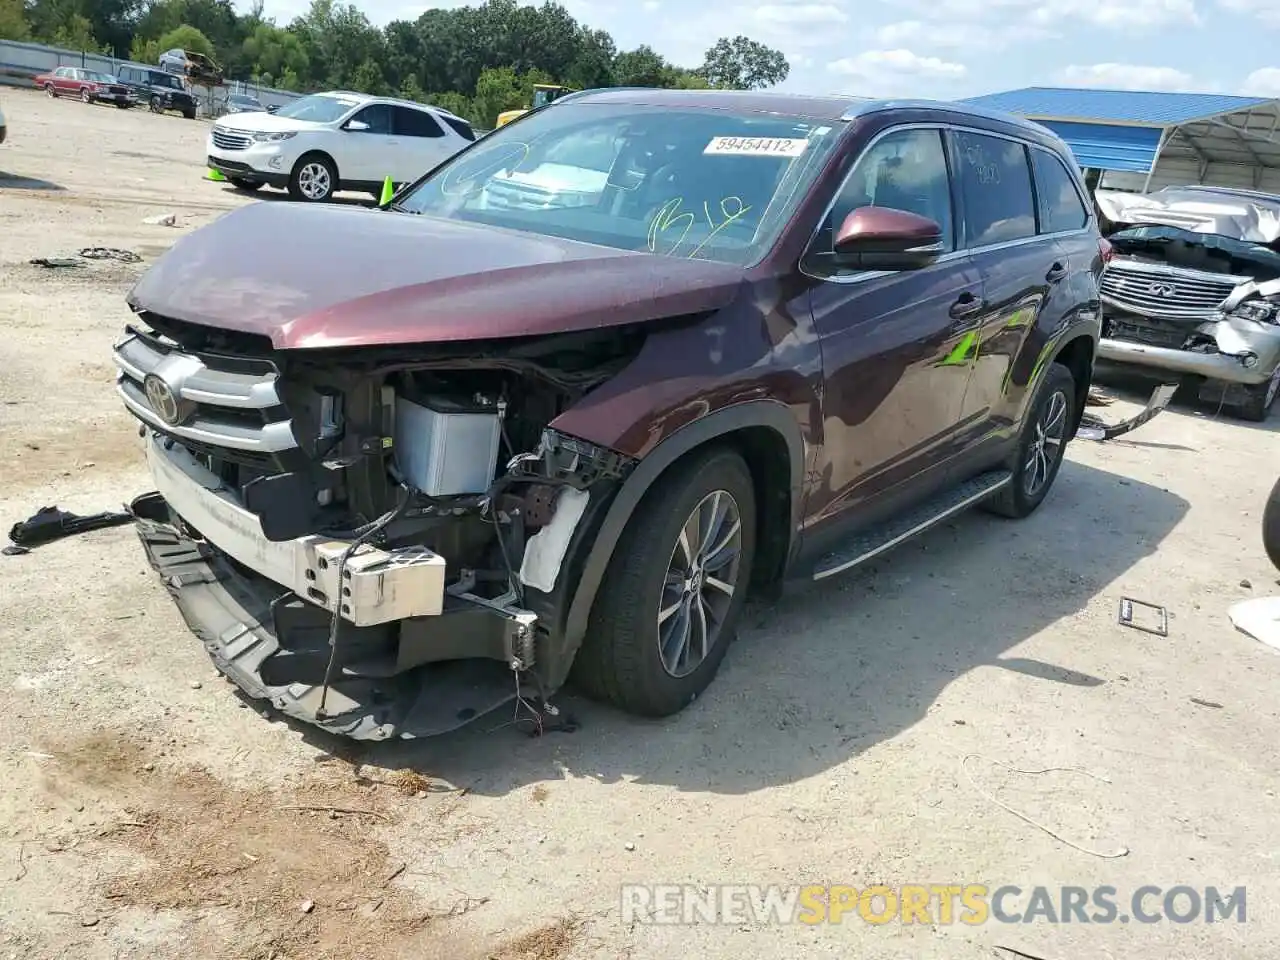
(563, 404)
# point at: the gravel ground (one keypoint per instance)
(151, 813)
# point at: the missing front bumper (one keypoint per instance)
(274, 646)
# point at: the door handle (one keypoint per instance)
(966, 306)
(1057, 272)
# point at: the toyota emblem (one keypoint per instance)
(1164, 290)
(163, 402)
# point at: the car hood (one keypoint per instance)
(330, 276)
(267, 123)
(1196, 211)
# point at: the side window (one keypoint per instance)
(415, 123)
(905, 170)
(996, 182)
(460, 127)
(1059, 201)
(377, 116)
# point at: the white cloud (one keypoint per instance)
(1263, 83)
(651, 5)
(1126, 76)
(1051, 16)
(803, 14)
(1268, 11)
(897, 72)
(952, 36)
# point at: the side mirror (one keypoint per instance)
(881, 238)
(357, 126)
(273, 108)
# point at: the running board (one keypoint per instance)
(879, 539)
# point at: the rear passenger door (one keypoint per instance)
(1019, 267)
(64, 79)
(423, 143)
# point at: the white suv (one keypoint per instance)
(334, 141)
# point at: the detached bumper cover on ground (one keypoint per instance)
(239, 617)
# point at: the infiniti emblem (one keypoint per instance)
(163, 402)
(1165, 290)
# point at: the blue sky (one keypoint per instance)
(950, 48)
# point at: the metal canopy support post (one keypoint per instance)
(1155, 159)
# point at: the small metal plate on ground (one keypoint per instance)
(1147, 617)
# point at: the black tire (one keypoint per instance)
(1271, 526)
(248, 186)
(621, 660)
(86, 96)
(303, 174)
(189, 114)
(157, 105)
(1033, 476)
(1260, 398)
(51, 91)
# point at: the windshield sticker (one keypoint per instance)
(756, 146)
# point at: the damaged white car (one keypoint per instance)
(1193, 288)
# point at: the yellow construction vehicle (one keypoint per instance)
(543, 93)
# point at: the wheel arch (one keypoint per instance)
(1076, 354)
(769, 439)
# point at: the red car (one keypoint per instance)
(89, 85)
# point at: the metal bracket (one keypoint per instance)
(1125, 619)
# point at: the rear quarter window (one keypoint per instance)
(1058, 199)
(460, 127)
(995, 179)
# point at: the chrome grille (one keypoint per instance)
(225, 139)
(1167, 293)
(225, 406)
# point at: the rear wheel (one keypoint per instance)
(672, 594)
(1041, 446)
(157, 105)
(122, 106)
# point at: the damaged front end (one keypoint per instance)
(1179, 297)
(378, 542)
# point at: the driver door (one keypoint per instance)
(370, 155)
(895, 345)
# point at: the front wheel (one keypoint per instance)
(1260, 398)
(1041, 446)
(314, 179)
(86, 96)
(674, 589)
(189, 114)
(1271, 526)
(51, 91)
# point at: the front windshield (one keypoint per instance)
(317, 108)
(694, 183)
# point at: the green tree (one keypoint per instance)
(641, 67)
(13, 21)
(269, 51)
(497, 90)
(186, 37)
(368, 78)
(744, 64)
(77, 34)
(455, 103)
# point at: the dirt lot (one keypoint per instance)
(150, 813)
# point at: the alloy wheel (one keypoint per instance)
(700, 581)
(84, 95)
(1046, 444)
(314, 182)
(1272, 386)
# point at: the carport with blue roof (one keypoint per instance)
(1147, 140)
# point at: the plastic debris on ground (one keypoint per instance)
(50, 523)
(1259, 618)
